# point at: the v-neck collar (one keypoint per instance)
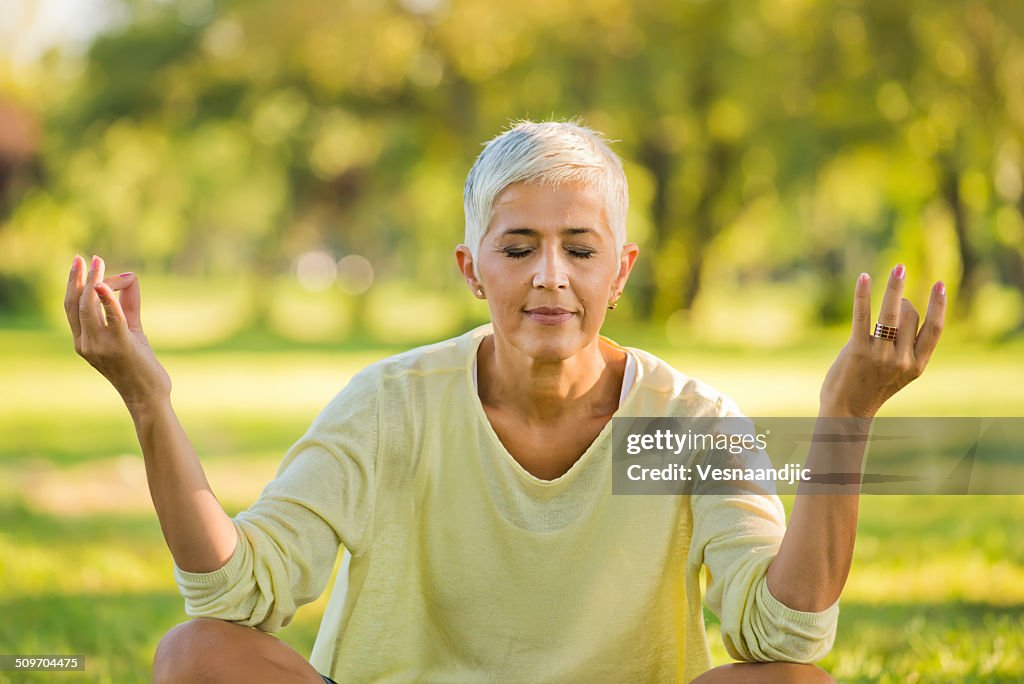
(480, 334)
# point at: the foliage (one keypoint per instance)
(781, 142)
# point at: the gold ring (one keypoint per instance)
(885, 332)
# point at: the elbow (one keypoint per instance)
(771, 631)
(249, 612)
(787, 649)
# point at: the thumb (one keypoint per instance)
(131, 304)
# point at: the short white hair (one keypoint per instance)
(552, 153)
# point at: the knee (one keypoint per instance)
(765, 673)
(192, 650)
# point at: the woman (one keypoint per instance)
(469, 481)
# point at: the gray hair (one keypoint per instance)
(550, 152)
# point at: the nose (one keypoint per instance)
(551, 271)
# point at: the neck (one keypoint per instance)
(586, 385)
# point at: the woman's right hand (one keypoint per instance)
(108, 333)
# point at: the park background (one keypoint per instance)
(286, 179)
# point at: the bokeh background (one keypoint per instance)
(286, 180)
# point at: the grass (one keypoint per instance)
(936, 593)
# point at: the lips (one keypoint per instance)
(549, 310)
(549, 315)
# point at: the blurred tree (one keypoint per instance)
(230, 137)
(19, 170)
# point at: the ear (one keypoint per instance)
(630, 252)
(464, 258)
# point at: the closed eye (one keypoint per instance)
(519, 253)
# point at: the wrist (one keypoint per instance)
(833, 409)
(142, 408)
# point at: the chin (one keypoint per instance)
(557, 347)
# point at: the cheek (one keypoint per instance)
(596, 287)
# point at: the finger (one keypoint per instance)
(890, 311)
(934, 322)
(90, 312)
(112, 312)
(120, 281)
(131, 304)
(861, 310)
(907, 334)
(76, 280)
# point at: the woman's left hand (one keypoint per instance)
(871, 369)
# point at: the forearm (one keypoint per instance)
(814, 559)
(199, 534)
(813, 562)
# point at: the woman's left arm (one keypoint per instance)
(813, 562)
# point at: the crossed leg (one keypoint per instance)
(765, 673)
(208, 651)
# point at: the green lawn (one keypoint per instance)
(936, 592)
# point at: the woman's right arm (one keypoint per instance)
(108, 334)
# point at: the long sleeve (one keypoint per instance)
(736, 536)
(288, 540)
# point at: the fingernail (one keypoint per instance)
(940, 288)
(864, 278)
(95, 262)
(899, 271)
(125, 274)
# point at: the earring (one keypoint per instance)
(612, 304)
(480, 292)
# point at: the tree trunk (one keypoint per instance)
(968, 257)
(659, 162)
(705, 224)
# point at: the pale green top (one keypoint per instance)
(464, 567)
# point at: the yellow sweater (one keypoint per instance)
(463, 567)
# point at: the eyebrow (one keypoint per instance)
(530, 232)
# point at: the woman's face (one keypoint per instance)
(548, 267)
